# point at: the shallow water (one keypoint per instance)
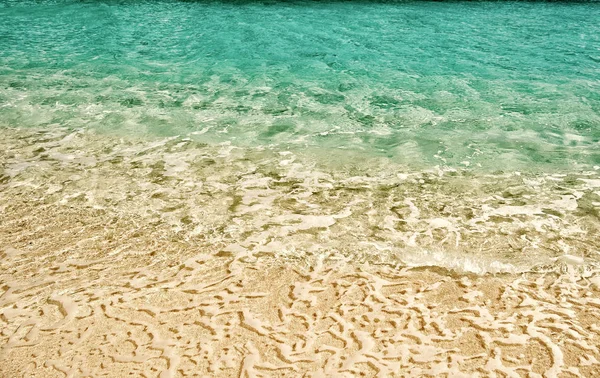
(491, 85)
(289, 204)
(449, 122)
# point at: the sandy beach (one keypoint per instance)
(241, 188)
(106, 282)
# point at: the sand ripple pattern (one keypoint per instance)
(172, 259)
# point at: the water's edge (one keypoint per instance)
(294, 205)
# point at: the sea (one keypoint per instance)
(464, 135)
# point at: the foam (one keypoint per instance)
(461, 263)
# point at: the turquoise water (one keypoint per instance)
(501, 85)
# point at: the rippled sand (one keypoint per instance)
(171, 258)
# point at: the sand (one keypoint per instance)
(104, 271)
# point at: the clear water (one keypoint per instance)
(501, 85)
(460, 134)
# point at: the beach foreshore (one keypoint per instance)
(121, 258)
(159, 309)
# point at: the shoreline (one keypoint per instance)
(274, 189)
(102, 282)
(294, 205)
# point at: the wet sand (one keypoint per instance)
(137, 265)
